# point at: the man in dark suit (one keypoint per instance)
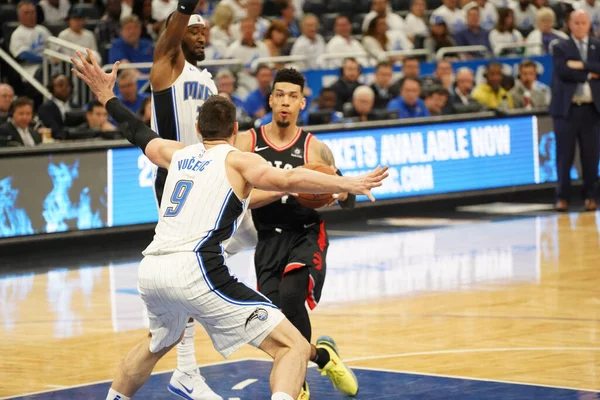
(344, 87)
(460, 98)
(575, 108)
(16, 132)
(52, 112)
(382, 85)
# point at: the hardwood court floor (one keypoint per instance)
(514, 301)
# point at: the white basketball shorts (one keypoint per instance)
(178, 286)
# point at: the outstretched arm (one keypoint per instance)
(258, 173)
(159, 151)
(168, 57)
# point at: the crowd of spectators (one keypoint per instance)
(248, 30)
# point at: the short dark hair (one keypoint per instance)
(93, 104)
(411, 58)
(526, 64)
(290, 75)
(326, 90)
(493, 64)
(408, 78)
(343, 16)
(20, 102)
(260, 67)
(384, 64)
(216, 118)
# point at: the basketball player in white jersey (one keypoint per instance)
(183, 273)
(179, 88)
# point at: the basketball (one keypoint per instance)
(316, 200)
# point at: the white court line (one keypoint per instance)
(110, 380)
(234, 398)
(57, 386)
(243, 384)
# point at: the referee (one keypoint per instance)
(575, 108)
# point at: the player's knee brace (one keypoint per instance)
(293, 291)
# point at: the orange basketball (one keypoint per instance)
(316, 200)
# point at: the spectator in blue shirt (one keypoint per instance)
(257, 99)
(128, 91)
(473, 34)
(130, 47)
(409, 104)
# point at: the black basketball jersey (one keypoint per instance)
(285, 213)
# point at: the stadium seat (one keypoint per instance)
(57, 28)
(363, 6)
(316, 7)
(357, 21)
(347, 7)
(327, 23)
(401, 5)
(89, 10)
(7, 30)
(90, 24)
(8, 13)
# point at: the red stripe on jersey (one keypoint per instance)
(306, 142)
(293, 142)
(253, 133)
(322, 236)
(292, 266)
(310, 299)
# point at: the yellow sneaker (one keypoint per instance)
(341, 376)
(304, 393)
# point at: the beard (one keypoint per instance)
(190, 55)
(283, 124)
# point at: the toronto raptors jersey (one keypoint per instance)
(199, 209)
(175, 109)
(286, 213)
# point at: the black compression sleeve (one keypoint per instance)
(130, 125)
(350, 202)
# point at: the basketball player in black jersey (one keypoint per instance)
(290, 257)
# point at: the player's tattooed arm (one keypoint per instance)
(320, 152)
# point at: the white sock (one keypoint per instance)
(186, 353)
(114, 395)
(281, 396)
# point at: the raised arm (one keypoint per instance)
(258, 173)
(168, 57)
(159, 151)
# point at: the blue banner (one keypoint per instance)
(440, 158)
(133, 200)
(318, 79)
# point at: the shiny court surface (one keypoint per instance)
(484, 310)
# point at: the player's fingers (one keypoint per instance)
(84, 64)
(92, 59)
(369, 195)
(115, 69)
(80, 75)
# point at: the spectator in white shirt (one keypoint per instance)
(414, 23)
(544, 34)
(222, 24)
(453, 16)
(55, 11)
(592, 7)
(488, 14)
(76, 34)
(238, 7)
(247, 48)
(524, 13)
(382, 7)
(310, 43)
(28, 40)
(378, 40)
(343, 42)
(254, 11)
(213, 49)
(505, 32)
(161, 9)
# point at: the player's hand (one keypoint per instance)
(100, 82)
(364, 183)
(338, 197)
(574, 64)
